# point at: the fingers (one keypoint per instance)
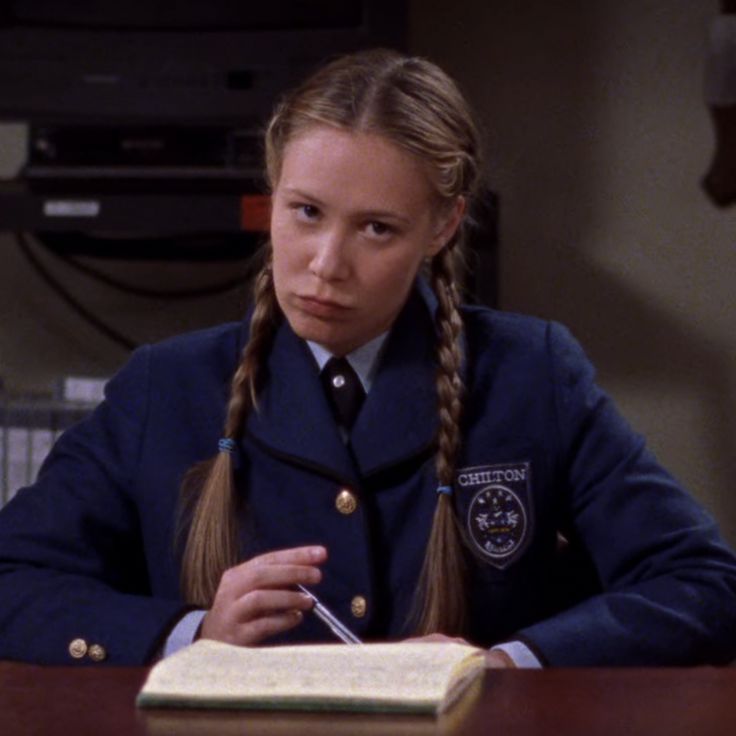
(255, 616)
(311, 555)
(278, 569)
(497, 659)
(257, 631)
(281, 569)
(261, 603)
(256, 599)
(240, 581)
(280, 576)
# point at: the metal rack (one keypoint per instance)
(29, 426)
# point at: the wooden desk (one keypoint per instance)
(675, 702)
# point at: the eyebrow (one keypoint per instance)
(371, 214)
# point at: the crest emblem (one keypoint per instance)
(498, 519)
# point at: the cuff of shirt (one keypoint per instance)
(184, 632)
(520, 653)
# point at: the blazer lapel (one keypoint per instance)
(397, 422)
(294, 419)
(399, 417)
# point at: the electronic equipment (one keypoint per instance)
(157, 108)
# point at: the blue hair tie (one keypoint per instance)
(447, 490)
(226, 445)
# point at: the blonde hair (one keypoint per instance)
(414, 104)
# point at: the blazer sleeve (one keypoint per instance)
(72, 565)
(668, 579)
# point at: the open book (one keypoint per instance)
(418, 677)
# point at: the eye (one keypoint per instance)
(305, 211)
(379, 230)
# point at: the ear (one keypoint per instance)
(447, 226)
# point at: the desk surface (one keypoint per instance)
(687, 702)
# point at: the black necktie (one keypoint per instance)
(344, 390)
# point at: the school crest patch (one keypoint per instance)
(499, 516)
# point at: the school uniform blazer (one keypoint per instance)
(89, 565)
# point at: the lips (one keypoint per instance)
(321, 307)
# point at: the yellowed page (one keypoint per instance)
(405, 674)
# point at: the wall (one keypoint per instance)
(41, 337)
(598, 138)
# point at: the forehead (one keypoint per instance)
(354, 169)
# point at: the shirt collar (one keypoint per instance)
(363, 360)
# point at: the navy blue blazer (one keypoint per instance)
(90, 553)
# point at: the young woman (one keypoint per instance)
(219, 474)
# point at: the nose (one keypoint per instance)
(330, 258)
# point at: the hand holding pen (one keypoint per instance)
(259, 598)
(334, 624)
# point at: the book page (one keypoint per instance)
(405, 673)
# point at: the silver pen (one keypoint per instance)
(339, 629)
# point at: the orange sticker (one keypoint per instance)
(255, 213)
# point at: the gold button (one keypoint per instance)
(346, 502)
(358, 606)
(78, 648)
(97, 653)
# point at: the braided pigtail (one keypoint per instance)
(442, 602)
(212, 542)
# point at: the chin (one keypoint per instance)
(323, 334)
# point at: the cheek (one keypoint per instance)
(283, 278)
(392, 278)
(407, 263)
(285, 248)
(279, 262)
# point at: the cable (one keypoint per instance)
(104, 278)
(109, 332)
(58, 246)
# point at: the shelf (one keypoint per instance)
(21, 209)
